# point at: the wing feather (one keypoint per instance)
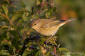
(51, 24)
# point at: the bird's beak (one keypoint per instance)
(34, 27)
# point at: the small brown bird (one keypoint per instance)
(48, 27)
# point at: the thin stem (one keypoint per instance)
(5, 16)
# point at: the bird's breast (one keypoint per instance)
(48, 31)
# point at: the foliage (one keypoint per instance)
(17, 37)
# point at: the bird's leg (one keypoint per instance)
(49, 38)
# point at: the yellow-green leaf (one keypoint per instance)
(5, 8)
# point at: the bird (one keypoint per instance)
(48, 27)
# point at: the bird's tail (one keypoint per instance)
(62, 22)
(69, 20)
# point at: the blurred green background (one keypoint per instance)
(15, 16)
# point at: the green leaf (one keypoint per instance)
(29, 4)
(5, 8)
(16, 16)
(63, 49)
(4, 53)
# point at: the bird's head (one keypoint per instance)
(35, 24)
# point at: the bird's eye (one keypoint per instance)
(34, 24)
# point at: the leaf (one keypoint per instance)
(4, 26)
(29, 4)
(63, 49)
(16, 16)
(4, 53)
(5, 8)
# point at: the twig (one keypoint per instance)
(5, 16)
(26, 41)
(24, 46)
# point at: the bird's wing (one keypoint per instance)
(51, 24)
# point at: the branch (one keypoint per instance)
(5, 16)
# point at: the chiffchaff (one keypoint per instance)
(48, 27)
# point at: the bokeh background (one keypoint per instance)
(15, 16)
